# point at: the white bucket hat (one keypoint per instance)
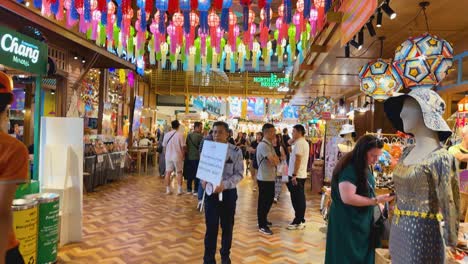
(432, 106)
(347, 129)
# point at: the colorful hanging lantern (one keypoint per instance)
(307, 7)
(203, 7)
(379, 79)
(298, 21)
(423, 61)
(320, 7)
(313, 22)
(231, 34)
(213, 22)
(189, 38)
(178, 22)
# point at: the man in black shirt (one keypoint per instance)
(286, 137)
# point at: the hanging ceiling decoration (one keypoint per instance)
(423, 61)
(111, 24)
(379, 79)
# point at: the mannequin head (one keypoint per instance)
(348, 137)
(411, 115)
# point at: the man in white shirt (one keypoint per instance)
(298, 175)
(174, 144)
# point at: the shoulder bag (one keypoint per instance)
(380, 225)
(160, 147)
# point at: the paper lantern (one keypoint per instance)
(232, 19)
(213, 19)
(300, 5)
(203, 7)
(379, 79)
(423, 61)
(194, 19)
(281, 10)
(178, 19)
(94, 4)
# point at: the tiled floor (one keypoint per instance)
(132, 221)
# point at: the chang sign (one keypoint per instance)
(22, 52)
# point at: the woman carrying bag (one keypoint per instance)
(351, 217)
(282, 168)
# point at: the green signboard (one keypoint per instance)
(22, 52)
(272, 81)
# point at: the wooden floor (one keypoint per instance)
(133, 221)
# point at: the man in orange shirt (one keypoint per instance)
(13, 170)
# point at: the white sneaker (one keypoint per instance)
(179, 192)
(168, 192)
(195, 194)
(189, 193)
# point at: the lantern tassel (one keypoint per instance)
(307, 6)
(186, 21)
(119, 17)
(267, 14)
(54, 7)
(87, 10)
(204, 22)
(143, 19)
(104, 17)
(225, 19)
(162, 26)
(246, 18)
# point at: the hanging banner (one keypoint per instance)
(22, 52)
(256, 108)
(356, 13)
(291, 112)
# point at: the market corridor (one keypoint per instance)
(133, 221)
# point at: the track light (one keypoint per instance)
(355, 44)
(379, 18)
(389, 11)
(347, 51)
(370, 27)
(361, 37)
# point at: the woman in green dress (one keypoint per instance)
(351, 212)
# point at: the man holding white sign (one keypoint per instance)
(221, 169)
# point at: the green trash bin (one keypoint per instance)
(48, 228)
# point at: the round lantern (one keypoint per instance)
(423, 61)
(232, 19)
(319, 3)
(251, 16)
(129, 14)
(194, 20)
(94, 5)
(111, 8)
(213, 19)
(178, 19)
(281, 10)
(300, 5)
(379, 79)
(263, 15)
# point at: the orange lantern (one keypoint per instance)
(300, 5)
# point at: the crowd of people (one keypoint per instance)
(269, 158)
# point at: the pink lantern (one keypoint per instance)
(110, 7)
(253, 29)
(178, 19)
(313, 15)
(178, 22)
(213, 23)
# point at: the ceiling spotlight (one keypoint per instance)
(83, 60)
(379, 18)
(75, 57)
(347, 51)
(388, 10)
(52, 92)
(370, 27)
(355, 44)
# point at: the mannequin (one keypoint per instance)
(426, 140)
(425, 183)
(348, 144)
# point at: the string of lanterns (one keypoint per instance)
(171, 28)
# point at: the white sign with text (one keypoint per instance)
(212, 160)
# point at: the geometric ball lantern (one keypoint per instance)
(379, 79)
(424, 61)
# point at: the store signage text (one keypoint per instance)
(272, 81)
(22, 52)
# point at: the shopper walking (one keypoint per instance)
(282, 152)
(174, 145)
(13, 170)
(193, 143)
(297, 176)
(217, 211)
(267, 161)
(351, 212)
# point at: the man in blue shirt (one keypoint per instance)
(217, 211)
